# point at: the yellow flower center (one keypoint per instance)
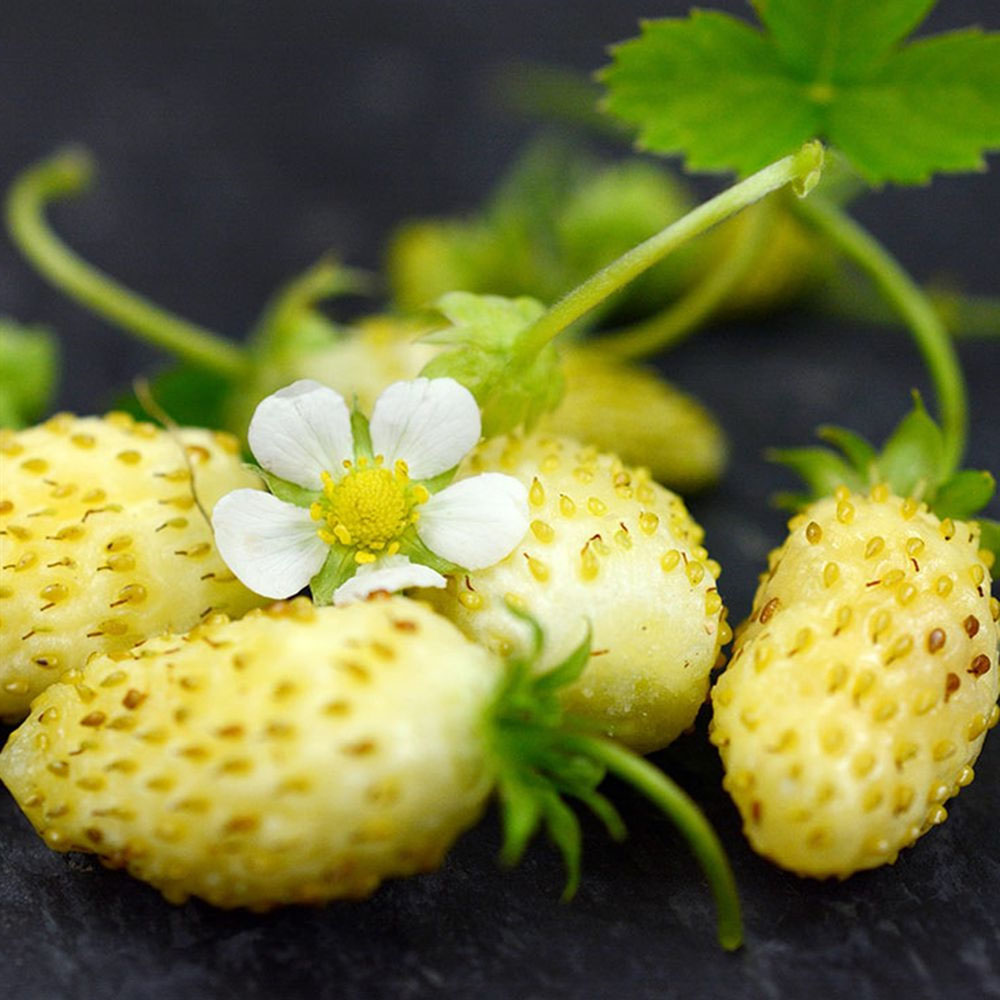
(368, 508)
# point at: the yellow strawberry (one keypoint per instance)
(103, 542)
(607, 547)
(860, 691)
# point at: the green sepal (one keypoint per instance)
(511, 391)
(542, 754)
(285, 490)
(856, 449)
(437, 483)
(913, 457)
(361, 431)
(411, 546)
(29, 362)
(964, 494)
(338, 568)
(912, 463)
(989, 535)
(821, 470)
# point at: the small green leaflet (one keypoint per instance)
(512, 391)
(731, 97)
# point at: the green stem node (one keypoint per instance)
(70, 173)
(926, 325)
(801, 169)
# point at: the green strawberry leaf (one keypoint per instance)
(731, 97)
(29, 360)
(511, 391)
(964, 494)
(914, 454)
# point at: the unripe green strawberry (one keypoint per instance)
(859, 692)
(607, 546)
(103, 542)
(299, 754)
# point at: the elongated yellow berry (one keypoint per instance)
(857, 701)
(104, 541)
(609, 547)
(298, 755)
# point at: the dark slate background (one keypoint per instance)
(237, 142)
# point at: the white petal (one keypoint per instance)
(431, 424)
(270, 545)
(389, 574)
(301, 430)
(475, 522)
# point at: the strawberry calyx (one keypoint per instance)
(911, 463)
(543, 754)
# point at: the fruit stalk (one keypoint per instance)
(926, 325)
(673, 324)
(801, 169)
(69, 173)
(688, 818)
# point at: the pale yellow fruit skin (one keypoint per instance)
(857, 697)
(102, 543)
(641, 417)
(645, 585)
(300, 754)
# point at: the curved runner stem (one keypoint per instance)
(903, 293)
(696, 305)
(801, 168)
(69, 173)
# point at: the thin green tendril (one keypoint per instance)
(70, 173)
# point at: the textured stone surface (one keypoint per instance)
(239, 141)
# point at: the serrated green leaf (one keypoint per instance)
(29, 359)
(729, 97)
(964, 494)
(713, 89)
(838, 39)
(914, 454)
(820, 469)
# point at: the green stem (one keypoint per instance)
(684, 316)
(682, 811)
(900, 290)
(69, 173)
(801, 168)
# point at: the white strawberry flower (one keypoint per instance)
(358, 507)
